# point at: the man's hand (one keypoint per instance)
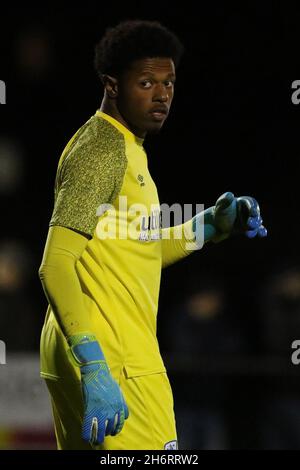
(232, 216)
(104, 406)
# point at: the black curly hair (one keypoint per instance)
(133, 40)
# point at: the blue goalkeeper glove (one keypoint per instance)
(104, 406)
(231, 216)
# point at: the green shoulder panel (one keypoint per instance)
(90, 173)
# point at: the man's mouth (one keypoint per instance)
(159, 113)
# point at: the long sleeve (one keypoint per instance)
(60, 281)
(177, 243)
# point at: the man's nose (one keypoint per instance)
(161, 94)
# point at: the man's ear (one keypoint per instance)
(110, 85)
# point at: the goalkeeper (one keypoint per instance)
(99, 352)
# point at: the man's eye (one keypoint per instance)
(169, 83)
(146, 84)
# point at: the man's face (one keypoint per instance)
(145, 93)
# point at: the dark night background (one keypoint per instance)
(228, 314)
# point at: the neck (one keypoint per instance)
(110, 108)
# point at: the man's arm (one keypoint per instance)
(175, 242)
(228, 217)
(60, 281)
(87, 178)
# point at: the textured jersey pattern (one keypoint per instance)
(90, 173)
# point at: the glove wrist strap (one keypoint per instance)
(85, 349)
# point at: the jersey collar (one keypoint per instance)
(126, 132)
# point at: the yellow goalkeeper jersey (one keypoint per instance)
(103, 188)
